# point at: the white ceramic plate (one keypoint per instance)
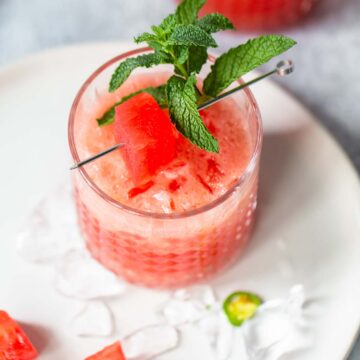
(309, 201)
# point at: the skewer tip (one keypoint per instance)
(285, 67)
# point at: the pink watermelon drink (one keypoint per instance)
(176, 203)
(189, 220)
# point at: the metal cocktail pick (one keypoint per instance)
(283, 68)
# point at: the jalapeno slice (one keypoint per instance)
(240, 306)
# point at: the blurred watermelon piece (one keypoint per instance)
(14, 344)
(260, 14)
(111, 352)
(148, 135)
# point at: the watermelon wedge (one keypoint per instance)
(111, 352)
(14, 344)
(148, 135)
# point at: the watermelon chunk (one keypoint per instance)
(111, 352)
(148, 135)
(14, 344)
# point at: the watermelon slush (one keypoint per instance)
(194, 218)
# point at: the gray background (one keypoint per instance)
(327, 58)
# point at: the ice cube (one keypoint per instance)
(80, 276)
(178, 312)
(94, 319)
(225, 339)
(278, 327)
(189, 305)
(50, 229)
(209, 326)
(219, 333)
(150, 341)
(203, 294)
(296, 303)
(163, 197)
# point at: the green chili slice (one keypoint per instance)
(240, 306)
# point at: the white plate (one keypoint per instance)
(309, 201)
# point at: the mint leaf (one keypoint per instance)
(242, 59)
(182, 98)
(109, 116)
(187, 11)
(162, 32)
(166, 26)
(197, 58)
(159, 93)
(182, 53)
(213, 23)
(123, 71)
(146, 37)
(191, 35)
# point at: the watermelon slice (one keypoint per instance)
(111, 352)
(14, 344)
(148, 135)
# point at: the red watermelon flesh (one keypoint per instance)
(14, 344)
(148, 135)
(111, 352)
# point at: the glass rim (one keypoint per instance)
(188, 213)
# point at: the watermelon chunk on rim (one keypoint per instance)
(148, 135)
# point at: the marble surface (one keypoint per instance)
(327, 57)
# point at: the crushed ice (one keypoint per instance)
(79, 276)
(93, 319)
(198, 306)
(51, 229)
(150, 341)
(189, 305)
(278, 327)
(220, 334)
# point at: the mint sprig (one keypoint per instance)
(182, 39)
(182, 98)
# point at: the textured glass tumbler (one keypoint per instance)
(164, 250)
